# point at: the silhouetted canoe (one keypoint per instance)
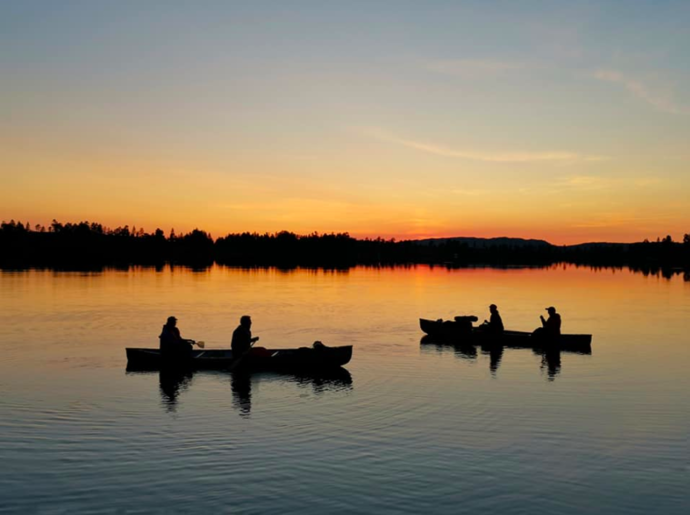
(458, 333)
(259, 358)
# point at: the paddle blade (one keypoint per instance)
(201, 345)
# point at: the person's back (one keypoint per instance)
(242, 336)
(241, 339)
(495, 322)
(168, 338)
(172, 345)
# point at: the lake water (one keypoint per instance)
(409, 428)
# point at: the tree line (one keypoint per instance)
(86, 244)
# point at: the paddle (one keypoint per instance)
(200, 344)
(237, 361)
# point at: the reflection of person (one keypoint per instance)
(551, 326)
(242, 336)
(551, 359)
(495, 355)
(172, 382)
(241, 385)
(494, 324)
(172, 345)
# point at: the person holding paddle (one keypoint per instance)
(551, 327)
(242, 337)
(172, 345)
(494, 324)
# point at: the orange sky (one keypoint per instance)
(431, 123)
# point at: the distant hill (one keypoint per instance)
(521, 243)
(486, 243)
(600, 246)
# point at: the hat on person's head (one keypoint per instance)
(245, 318)
(550, 308)
(172, 319)
(492, 306)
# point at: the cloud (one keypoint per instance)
(590, 184)
(472, 68)
(470, 192)
(596, 182)
(661, 101)
(619, 219)
(587, 182)
(494, 157)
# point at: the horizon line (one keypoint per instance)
(397, 239)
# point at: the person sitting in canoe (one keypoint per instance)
(550, 326)
(172, 345)
(494, 324)
(242, 336)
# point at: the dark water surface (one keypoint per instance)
(408, 428)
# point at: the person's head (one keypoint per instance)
(493, 308)
(171, 321)
(551, 310)
(245, 321)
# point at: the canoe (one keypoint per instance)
(458, 333)
(259, 358)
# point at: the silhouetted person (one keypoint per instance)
(172, 345)
(242, 337)
(494, 324)
(551, 326)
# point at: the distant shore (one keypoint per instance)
(88, 245)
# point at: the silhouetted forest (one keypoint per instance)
(88, 245)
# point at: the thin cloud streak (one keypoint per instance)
(472, 68)
(642, 91)
(614, 219)
(497, 157)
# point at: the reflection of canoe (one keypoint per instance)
(259, 358)
(456, 333)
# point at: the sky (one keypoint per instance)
(558, 120)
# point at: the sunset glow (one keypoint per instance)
(568, 123)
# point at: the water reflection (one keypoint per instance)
(321, 383)
(328, 380)
(241, 385)
(550, 358)
(551, 361)
(174, 382)
(207, 267)
(495, 353)
(461, 351)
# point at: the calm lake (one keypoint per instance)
(409, 428)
